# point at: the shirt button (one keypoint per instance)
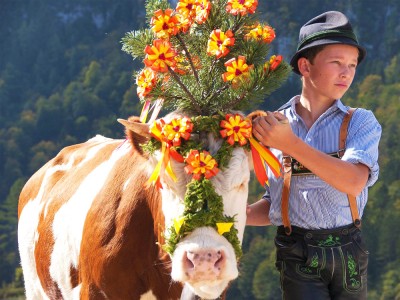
(308, 139)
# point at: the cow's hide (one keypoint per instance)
(89, 229)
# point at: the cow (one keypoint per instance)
(91, 227)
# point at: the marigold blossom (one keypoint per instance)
(203, 8)
(201, 163)
(184, 22)
(273, 63)
(236, 68)
(236, 129)
(164, 24)
(145, 82)
(178, 128)
(160, 56)
(264, 33)
(218, 43)
(187, 8)
(242, 7)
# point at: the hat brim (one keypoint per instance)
(330, 41)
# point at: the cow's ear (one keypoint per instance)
(136, 131)
(255, 114)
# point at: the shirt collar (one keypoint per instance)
(292, 102)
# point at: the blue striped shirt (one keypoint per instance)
(314, 204)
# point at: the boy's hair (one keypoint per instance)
(311, 53)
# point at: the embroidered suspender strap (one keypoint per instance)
(342, 146)
(287, 175)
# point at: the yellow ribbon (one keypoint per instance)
(267, 156)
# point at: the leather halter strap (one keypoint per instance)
(287, 175)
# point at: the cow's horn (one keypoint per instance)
(137, 127)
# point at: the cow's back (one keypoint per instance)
(87, 227)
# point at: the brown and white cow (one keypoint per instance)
(88, 229)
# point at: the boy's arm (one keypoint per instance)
(274, 130)
(258, 213)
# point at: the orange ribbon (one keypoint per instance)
(261, 156)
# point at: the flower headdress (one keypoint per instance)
(205, 58)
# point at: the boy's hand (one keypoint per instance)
(273, 130)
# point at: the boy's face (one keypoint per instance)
(332, 71)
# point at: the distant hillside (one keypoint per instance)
(64, 78)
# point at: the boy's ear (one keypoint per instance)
(303, 65)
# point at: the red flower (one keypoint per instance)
(160, 56)
(145, 82)
(218, 43)
(241, 7)
(164, 24)
(201, 163)
(236, 129)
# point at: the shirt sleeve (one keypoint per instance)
(267, 194)
(363, 141)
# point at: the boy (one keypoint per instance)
(318, 202)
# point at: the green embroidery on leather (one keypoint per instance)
(352, 266)
(329, 242)
(306, 270)
(314, 261)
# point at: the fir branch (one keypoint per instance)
(187, 53)
(134, 42)
(180, 83)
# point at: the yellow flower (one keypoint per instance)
(160, 56)
(187, 8)
(203, 8)
(200, 164)
(218, 43)
(178, 128)
(236, 129)
(145, 82)
(273, 63)
(236, 68)
(241, 7)
(264, 33)
(164, 24)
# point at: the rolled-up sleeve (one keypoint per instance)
(363, 142)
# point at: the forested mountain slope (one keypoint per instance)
(64, 78)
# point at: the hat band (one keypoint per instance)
(327, 33)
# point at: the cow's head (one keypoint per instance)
(203, 202)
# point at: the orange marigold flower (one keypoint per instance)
(218, 43)
(241, 7)
(203, 8)
(184, 22)
(160, 56)
(273, 63)
(201, 163)
(145, 82)
(178, 128)
(187, 8)
(264, 33)
(164, 24)
(236, 129)
(236, 68)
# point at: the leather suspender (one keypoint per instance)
(287, 175)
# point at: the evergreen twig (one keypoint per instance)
(187, 53)
(180, 83)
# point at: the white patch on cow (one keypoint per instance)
(69, 221)
(232, 184)
(76, 291)
(148, 296)
(27, 235)
(29, 220)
